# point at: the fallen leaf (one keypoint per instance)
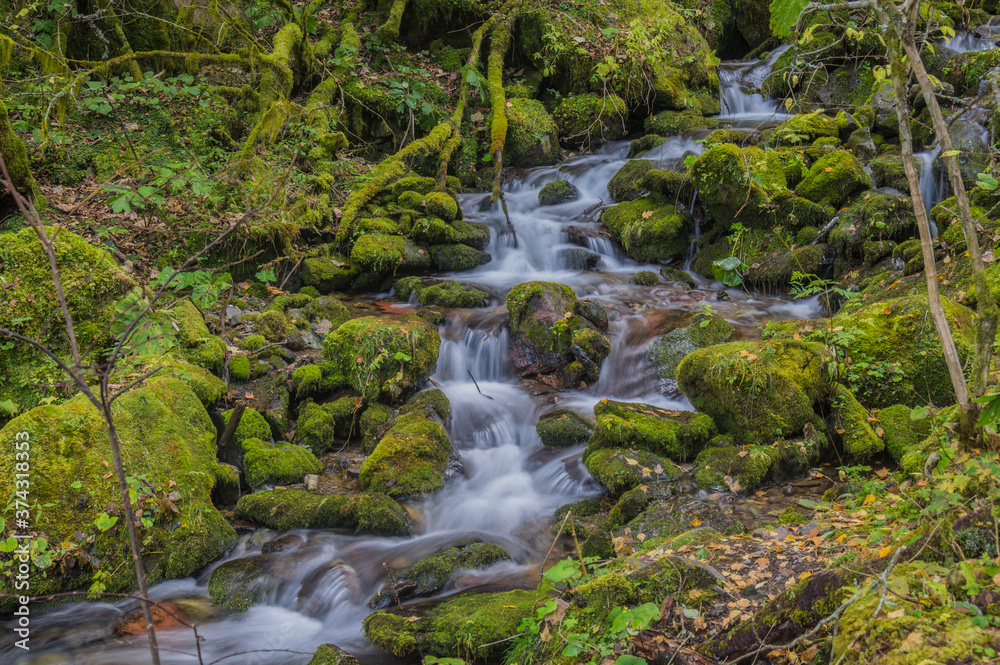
(884, 552)
(695, 522)
(868, 499)
(752, 356)
(828, 169)
(476, 117)
(742, 453)
(883, 472)
(879, 432)
(647, 214)
(248, 395)
(895, 614)
(912, 641)
(631, 462)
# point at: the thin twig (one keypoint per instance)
(477, 384)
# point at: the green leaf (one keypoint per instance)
(8, 545)
(919, 412)
(729, 271)
(785, 15)
(76, 485)
(951, 153)
(630, 660)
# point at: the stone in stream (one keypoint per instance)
(563, 429)
(666, 353)
(486, 620)
(429, 576)
(648, 228)
(626, 184)
(450, 294)
(586, 121)
(457, 257)
(331, 654)
(411, 458)
(284, 509)
(577, 258)
(280, 463)
(677, 435)
(556, 192)
(550, 340)
(757, 391)
(320, 427)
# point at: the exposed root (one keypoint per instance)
(389, 31)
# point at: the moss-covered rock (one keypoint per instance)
(429, 576)
(91, 280)
(562, 429)
(805, 128)
(901, 433)
(757, 391)
(556, 192)
(166, 435)
(434, 399)
(273, 325)
(327, 308)
(374, 422)
(328, 272)
(410, 459)
(834, 179)
(473, 234)
(457, 258)
(550, 338)
(648, 229)
(895, 353)
(734, 468)
(252, 425)
(331, 654)
(850, 420)
(279, 463)
(586, 121)
(888, 171)
(626, 184)
(461, 626)
(674, 434)
(383, 357)
(239, 584)
(239, 368)
(666, 353)
(532, 134)
(672, 123)
(384, 255)
(646, 278)
(739, 184)
(284, 509)
(621, 469)
(376, 513)
(441, 204)
(451, 295)
(321, 426)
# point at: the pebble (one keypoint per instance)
(312, 482)
(233, 317)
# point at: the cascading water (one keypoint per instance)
(320, 581)
(983, 38)
(929, 189)
(740, 101)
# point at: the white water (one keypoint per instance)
(324, 578)
(929, 189)
(983, 38)
(739, 81)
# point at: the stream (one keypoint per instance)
(511, 484)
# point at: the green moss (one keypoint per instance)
(253, 342)
(320, 427)
(388, 255)
(586, 121)
(758, 399)
(894, 343)
(165, 435)
(239, 368)
(208, 388)
(239, 584)
(672, 123)
(674, 434)
(556, 192)
(748, 467)
(807, 128)
(442, 205)
(293, 509)
(92, 282)
(252, 426)
(659, 236)
(562, 429)
(792, 516)
(452, 294)
(316, 380)
(410, 459)
(532, 135)
(646, 278)
(287, 301)
(429, 576)
(473, 234)
(859, 439)
(620, 469)
(901, 433)
(738, 184)
(273, 325)
(432, 230)
(373, 421)
(666, 353)
(626, 184)
(834, 179)
(476, 626)
(326, 272)
(328, 308)
(640, 146)
(330, 654)
(457, 258)
(434, 398)
(888, 172)
(277, 464)
(371, 512)
(12, 147)
(396, 355)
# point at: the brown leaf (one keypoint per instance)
(647, 214)
(248, 395)
(912, 641)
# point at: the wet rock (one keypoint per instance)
(433, 399)
(239, 584)
(354, 346)
(549, 339)
(858, 438)
(227, 488)
(410, 459)
(674, 434)
(532, 134)
(330, 654)
(834, 179)
(593, 312)
(648, 229)
(620, 469)
(587, 121)
(563, 429)
(382, 255)
(757, 391)
(456, 258)
(626, 184)
(431, 575)
(485, 620)
(320, 427)
(448, 294)
(666, 353)
(556, 192)
(295, 509)
(232, 315)
(677, 276)
(280, 463)
(579, 259)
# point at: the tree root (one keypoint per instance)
(389, 31)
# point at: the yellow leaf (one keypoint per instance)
(805, 575)
(884, 552)
(412, 619)
(868, 499)
(744, 353)
(797, 337)
(895, 614)
(631, 462)
(879, 432)
(646, 472)
(647, 214)
(828, 169)
(695, 522)
(841, 537)
(694, 594)
(752, 356)
(912, 641)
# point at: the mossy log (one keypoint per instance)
(389, 31)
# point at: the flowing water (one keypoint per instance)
(983, 38)
(741, 101)
(320, 581)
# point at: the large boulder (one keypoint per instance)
(586, 121)
(834, 179)
(280, 463)
(382, 357)
(410, 459)
(674, 434)
(551, 340)
(648, 228)
(479, 623)
(284, 509)
(383, 255)
(168, 442)
(532, 134)
(92, 282)
(667, 352)
(757, 391)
